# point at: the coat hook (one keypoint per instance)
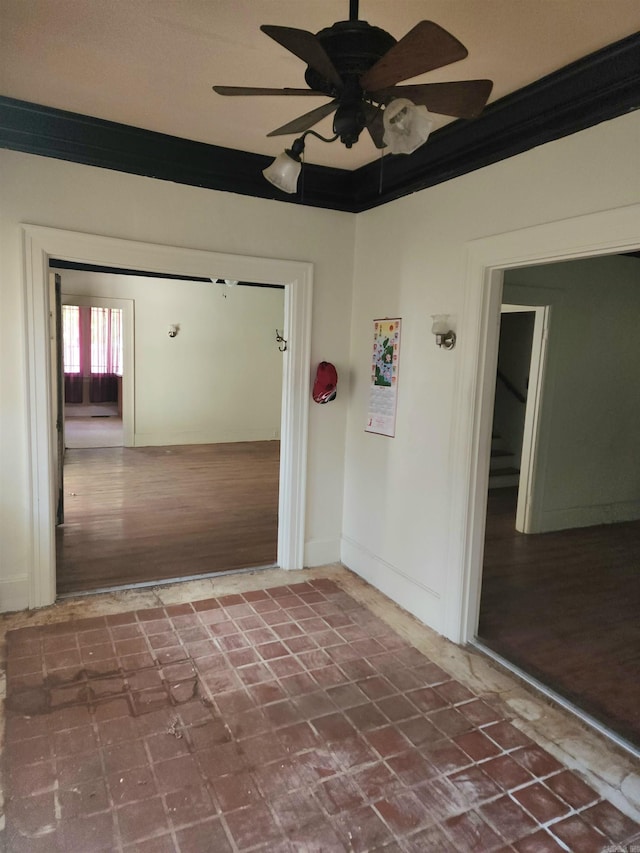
(281, 340)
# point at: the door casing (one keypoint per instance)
(601, 233)
(40, 244)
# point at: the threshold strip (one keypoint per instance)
(557, 698)
(163, 582)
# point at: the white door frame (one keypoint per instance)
(40, 244)
(525, 509)
(602, 233)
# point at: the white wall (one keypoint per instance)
(411, 261)
(57, 194)
(220, 378)
(589, 437)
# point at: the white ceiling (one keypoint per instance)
(151, 63)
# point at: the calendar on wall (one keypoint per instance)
(383, 392)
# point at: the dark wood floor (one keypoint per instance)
(565, 607)
(152, 513)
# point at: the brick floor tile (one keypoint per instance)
(298, 737)
(80, 768)
(426, 699)
(34, 814)
(506, 772)
(72, 741)
(333, 727)
(411, 767)
(132, 785)
(316, 764)
(339, 794)
(610, 821)
(474, 786)
(298, 713)
(536, 760)
(508, 819)
(252, 826)
(236, 791)
(454, 692)
(377, 781)
(124, 756)
(219, 761)
(572, 789)
(575, 834)
(542, 803)
(450, 721)
(376, 687)
(402, 812)
(94, 833)
(206, 837)
(507, 736)
(479, 713)
(27, 779)
(362, 830)
(539, 842)
(86, 798)
(137, 824)
(387, 741)
(158, 844)
(420, 731)
(189, 805)
(477, 745)
(29, 751)
(470, 832)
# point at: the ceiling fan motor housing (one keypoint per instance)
(353, 47)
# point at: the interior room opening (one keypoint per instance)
(561, 591)
(194, 490)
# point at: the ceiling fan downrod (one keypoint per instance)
(353, 10)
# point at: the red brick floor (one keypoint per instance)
(290, 719)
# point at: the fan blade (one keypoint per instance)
(302, 123)
(253, 90)
(307, 47)
(463, 99)
(425, 47)
(374, 125)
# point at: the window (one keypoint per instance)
(71, 338)
(106, 340)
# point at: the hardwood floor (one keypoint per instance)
(152, 513)
(565, 607)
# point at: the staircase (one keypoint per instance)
(503, 472)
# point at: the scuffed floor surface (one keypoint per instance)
(285, 719)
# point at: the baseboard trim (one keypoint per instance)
(589, 516)
(417, 598)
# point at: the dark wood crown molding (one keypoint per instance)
(596, 88)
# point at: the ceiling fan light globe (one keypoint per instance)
(284, 172)
(406, 126)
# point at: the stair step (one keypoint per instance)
(496, 451)
(501, 480)
(499, 472)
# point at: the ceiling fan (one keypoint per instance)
(358, 66)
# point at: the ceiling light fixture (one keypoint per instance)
(285, 170)
(406, 127)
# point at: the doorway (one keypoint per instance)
(196, 492)
(98, 347)
(560, 594)
(40, 245)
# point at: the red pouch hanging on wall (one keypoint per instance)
(326, 381)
